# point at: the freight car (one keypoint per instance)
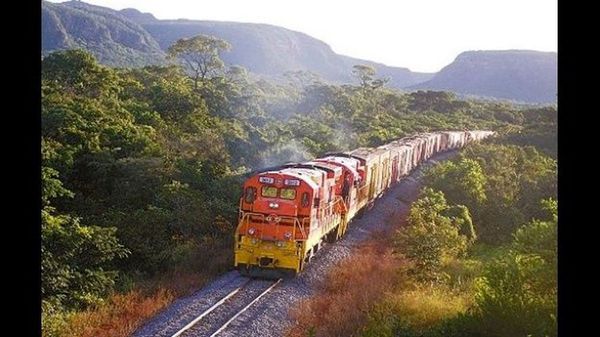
(287, 212)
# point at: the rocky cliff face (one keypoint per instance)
(113, 38)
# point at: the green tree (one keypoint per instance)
(75, 259)
(430, 238)
(301, 79)
(440, 101)
(517, 295)
(461, 218)
(366, 76)
(76, 72)
(517, 178)
(201, 55)
(462, 182)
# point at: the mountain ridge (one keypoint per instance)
(129, 37)
(112, 38)
(515, 74)
(263, 49)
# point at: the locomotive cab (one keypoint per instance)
(276, 209)
(273, 201)
(284, 216)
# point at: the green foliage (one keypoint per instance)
(300, 79)
(517, 294)
(52, 186)
(501, 185)
(442, 101)
(540, 126)
(200, 55)
(74, 257)
(76, 72)
(539, 237)
(462, 182)
(116, 138)
(430, 238)
(517, 178)
(461, 218)
(365, 74)
(514, 286)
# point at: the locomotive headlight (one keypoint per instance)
(279, 244)
(251, 230)
(287, 235)
(274, 205)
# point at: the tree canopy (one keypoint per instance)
(366, 76)
(200, 55)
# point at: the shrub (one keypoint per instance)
(412, 312)
(430, 238)
(118, 317)
(517, 293)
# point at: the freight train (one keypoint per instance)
(287, 212)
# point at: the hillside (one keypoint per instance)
(520, 75)
(132, 38)
(271, 50)
(129, 37)
(110, 36)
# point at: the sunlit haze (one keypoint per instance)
(422, 35)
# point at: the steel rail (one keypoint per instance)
(245, 308)
(209, 310)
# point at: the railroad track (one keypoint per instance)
(220, 315)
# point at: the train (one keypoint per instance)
(287, 212)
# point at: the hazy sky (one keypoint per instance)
(422, 35)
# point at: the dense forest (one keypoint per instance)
(142, 167)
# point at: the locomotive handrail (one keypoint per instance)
(343, 208)
(245, 220)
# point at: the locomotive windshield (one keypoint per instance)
(269, 191)
(288, 193)
(284, 193)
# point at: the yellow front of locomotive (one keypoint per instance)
(274, 225)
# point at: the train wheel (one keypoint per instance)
(243, 270)
(309, 255)
(360, 213)
(333, 235)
